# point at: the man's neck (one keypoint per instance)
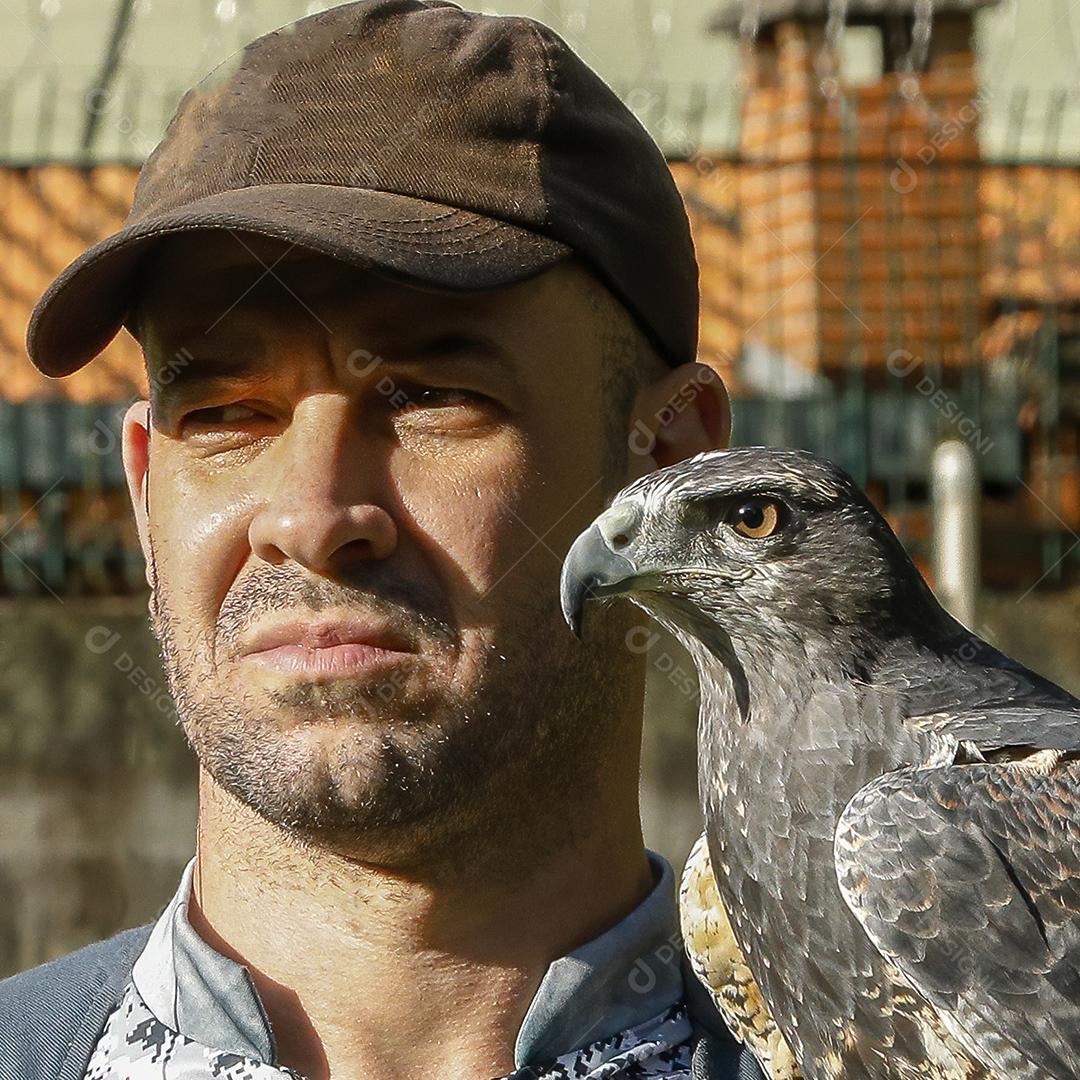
(367, 973)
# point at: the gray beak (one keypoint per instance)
(592, 569)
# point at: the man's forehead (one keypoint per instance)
(219, 273)
(235, 292)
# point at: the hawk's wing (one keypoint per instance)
(968, 878)
(718, 962)
(1008, 726)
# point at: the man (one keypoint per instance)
(406, 279)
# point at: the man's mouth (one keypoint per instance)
(326, 648)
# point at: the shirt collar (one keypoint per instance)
(625, 976)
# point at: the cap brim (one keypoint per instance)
(86, 305)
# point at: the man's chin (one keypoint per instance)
(326, 777)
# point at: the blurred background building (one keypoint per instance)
(886, 206)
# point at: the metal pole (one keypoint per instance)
(954, 498)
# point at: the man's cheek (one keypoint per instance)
(468, 540)
(200, 547)
(474, 522)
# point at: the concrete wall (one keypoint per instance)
(97, 799)
(97, 804)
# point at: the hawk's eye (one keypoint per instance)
(756, 518)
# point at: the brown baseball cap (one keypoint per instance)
(414, 138)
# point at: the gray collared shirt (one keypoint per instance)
(614, 1006)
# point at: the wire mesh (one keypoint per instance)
(883, 264)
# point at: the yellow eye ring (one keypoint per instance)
(756, 518)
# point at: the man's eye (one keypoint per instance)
(423, 396)
(221, 414)
(438, 411)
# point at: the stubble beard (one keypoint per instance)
(512, 764)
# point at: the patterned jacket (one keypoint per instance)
(52, 1016)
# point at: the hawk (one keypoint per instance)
(888, 884)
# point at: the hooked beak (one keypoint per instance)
(592, 568)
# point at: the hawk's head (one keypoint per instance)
(758, 545)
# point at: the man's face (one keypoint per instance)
(359, 493)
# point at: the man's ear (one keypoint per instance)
(135, 443)
(685, 412)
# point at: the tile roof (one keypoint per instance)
(1028, 222)
(48, 216)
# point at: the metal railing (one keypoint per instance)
(65, 524)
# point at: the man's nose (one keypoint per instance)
(321, 506)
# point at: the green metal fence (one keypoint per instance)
(64, 526)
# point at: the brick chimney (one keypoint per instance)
(859, 203)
